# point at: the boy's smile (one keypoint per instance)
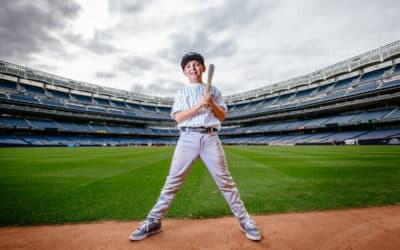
(194, 71)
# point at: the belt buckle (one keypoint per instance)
(210, 130)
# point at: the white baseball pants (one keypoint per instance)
(208, 147)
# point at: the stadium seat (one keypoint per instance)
(7, 121)
(82, 99)
(8, 85)
(343, 83)
(392, 116)
(389, 84)
(12, 140)
(102, 101)
(374, 75)
(363, 88)
(33, 90)
(23, 98)
(50, 102)
(59, 94)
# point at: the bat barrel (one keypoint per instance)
(210, 75)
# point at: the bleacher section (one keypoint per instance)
(41, 140)
(32, 94)
(358, 99)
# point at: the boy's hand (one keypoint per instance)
(206, 99)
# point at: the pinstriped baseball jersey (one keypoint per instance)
(191, 95)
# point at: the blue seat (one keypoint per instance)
(83, 99)
(97, 109)
(335, 95)
(43, 123)
(102, 101)
(51, 102)
(3, 96)
(9, 85)
(363, 88)
(372, 115)
(343, 83)
(12, 140)
(393, 116)
(118, 104)
(304, 93)
(390, 84)
(149, 108)
(75, 106)
(7, 121)
(33, 89)
(23, 98)
(59, 94)
(374, 75)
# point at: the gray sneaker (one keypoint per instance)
(146, 228)
(249, 227)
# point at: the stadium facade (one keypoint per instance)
(355, 101)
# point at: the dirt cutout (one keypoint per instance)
(365, 228)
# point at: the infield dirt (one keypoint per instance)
(364, 228)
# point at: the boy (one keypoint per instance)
(199, 115)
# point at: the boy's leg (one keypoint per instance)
(186, 153)
(214, 158)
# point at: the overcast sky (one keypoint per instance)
(137, 45)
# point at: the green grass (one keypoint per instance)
(59, 185)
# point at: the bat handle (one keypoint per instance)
(206, 105)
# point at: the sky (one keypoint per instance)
(137, 45)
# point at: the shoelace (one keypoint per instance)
(144, 226)
(250, 225)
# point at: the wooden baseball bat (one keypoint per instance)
(210, 76)
(209, 79)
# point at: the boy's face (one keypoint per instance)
(193, 70)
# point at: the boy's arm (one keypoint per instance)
(220, 112)
(184, 115)
(206, 100)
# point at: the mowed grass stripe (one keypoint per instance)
(52, 160)
(330, 177)
(199, 196)
(59, 185)
(55, 193)
(265, 188)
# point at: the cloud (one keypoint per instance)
(236, 14)
(214, 30)
(181, 43)
(134, 65)
(99, 44)
(28, 29)
(105, 75)
(161, 87)
(127, 6)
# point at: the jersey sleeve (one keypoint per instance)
(178, 105)
(219, 99)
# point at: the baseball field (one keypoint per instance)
(67, 185)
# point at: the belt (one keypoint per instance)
(203, 130)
